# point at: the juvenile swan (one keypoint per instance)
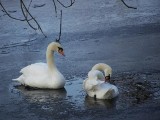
(42, 75)
(97, 85)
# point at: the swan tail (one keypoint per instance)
(109, 94)
(19, 79)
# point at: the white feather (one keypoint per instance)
(42, 75)
(96, 85)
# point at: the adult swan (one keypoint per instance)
(42, 75)
(97, 85)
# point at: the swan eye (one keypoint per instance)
(107, 77)
(60, 49)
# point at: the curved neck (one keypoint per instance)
(50, 58)
(103, 67)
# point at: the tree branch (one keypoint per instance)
(28, 16)
(39, 27)
(60, 28)
(25, 16)
(9, 14)
(55, 7)
(28, 7)
(128, 5)
(72, 2)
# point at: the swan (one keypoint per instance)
(44, 75)
(97, 85)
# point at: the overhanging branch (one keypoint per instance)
(72, 2)
(60, 29)
(25, 16)
(128, 5)
(39, 27)
(9, 14)
(55, 7)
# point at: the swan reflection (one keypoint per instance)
(41, 95)
(98, 103)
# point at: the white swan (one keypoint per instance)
(42, 75)
(97, 85)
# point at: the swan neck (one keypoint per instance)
(103, 67)
(50, 60)
(106, 72)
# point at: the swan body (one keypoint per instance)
(43, 75)
(95, 84)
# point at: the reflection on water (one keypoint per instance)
(92, 103)
(40, 95)
(72, 95)
(72, 98)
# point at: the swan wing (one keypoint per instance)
(109, 90)
(91, 85)
(35, 75)
(35, 69)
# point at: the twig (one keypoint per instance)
(28, 16)
(25, 16)
(39, 27)
(9, 14)
(128, 5)
(55, 7)
(60, 28)
(29, 7)
(72, 2)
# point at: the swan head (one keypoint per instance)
(108, 73)
(56, 46)
(60, 51)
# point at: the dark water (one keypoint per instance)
(127, 40)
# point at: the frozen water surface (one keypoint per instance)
(93, 31)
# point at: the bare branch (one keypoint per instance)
(60, 27)
(9, 14)
(128, 5)
(28, 7)
(25, 16)
(55, 7)
(72, 2)
(39, 27)
(28, 16)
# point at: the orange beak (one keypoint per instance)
(61, 52)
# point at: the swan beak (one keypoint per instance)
(62, 53)
(107, 78)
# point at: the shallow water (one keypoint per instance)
(73, 101)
